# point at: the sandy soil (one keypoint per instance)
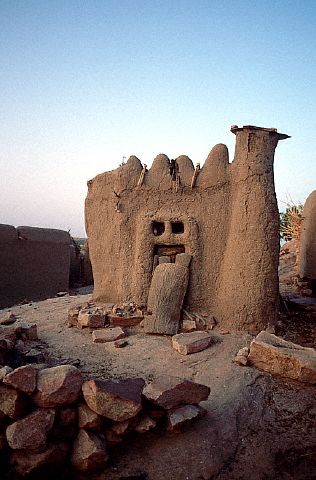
(256, 426)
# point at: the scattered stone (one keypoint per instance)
(207, 322)
(29, 331)
(145, 424)
(58, 386)
(188, 325)
(181, 417)
(22, 378)
(31, 432)
(66, 423)
(112, 439)
(106, 307)
(88, 419)
(127, 309)
(186, 343)
(67, 416)
(12, 403)
(34, 356)
(86, 305)
(73, 316)
(8, 332)
(6, 344)
(7, 318)
(279, 357)
(122, 428)
(118, 400)
(20, 346)
(170, 392)
(120, 343)
(107, 335)
(89, 453)
(25, 462)
(61, 294)
(128, 321)
(88, 319)
(242, 356)
(4, 371)
(155, 413)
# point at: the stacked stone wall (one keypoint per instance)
(52, 418)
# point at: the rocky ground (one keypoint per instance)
(256, 426)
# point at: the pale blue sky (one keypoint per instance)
(84, 83)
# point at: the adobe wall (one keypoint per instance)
(34, 263)
(231, 229)
(307, 255)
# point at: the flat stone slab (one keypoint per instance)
(171, 392)
(127, 321)
(277, 356)
(88, 319)
(181, 417)
(121, 343)
(118, 400)
(186, 343)
(105, 335)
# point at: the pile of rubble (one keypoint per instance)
(51, 416)
(89, 315)
(18, 342)
(107, 322)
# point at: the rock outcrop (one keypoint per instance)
(78, 430)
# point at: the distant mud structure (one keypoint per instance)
(223, 215)
(34, 263)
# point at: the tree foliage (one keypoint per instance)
(291, 221)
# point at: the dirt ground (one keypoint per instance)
(256, 426)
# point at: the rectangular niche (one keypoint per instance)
(170, 251)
